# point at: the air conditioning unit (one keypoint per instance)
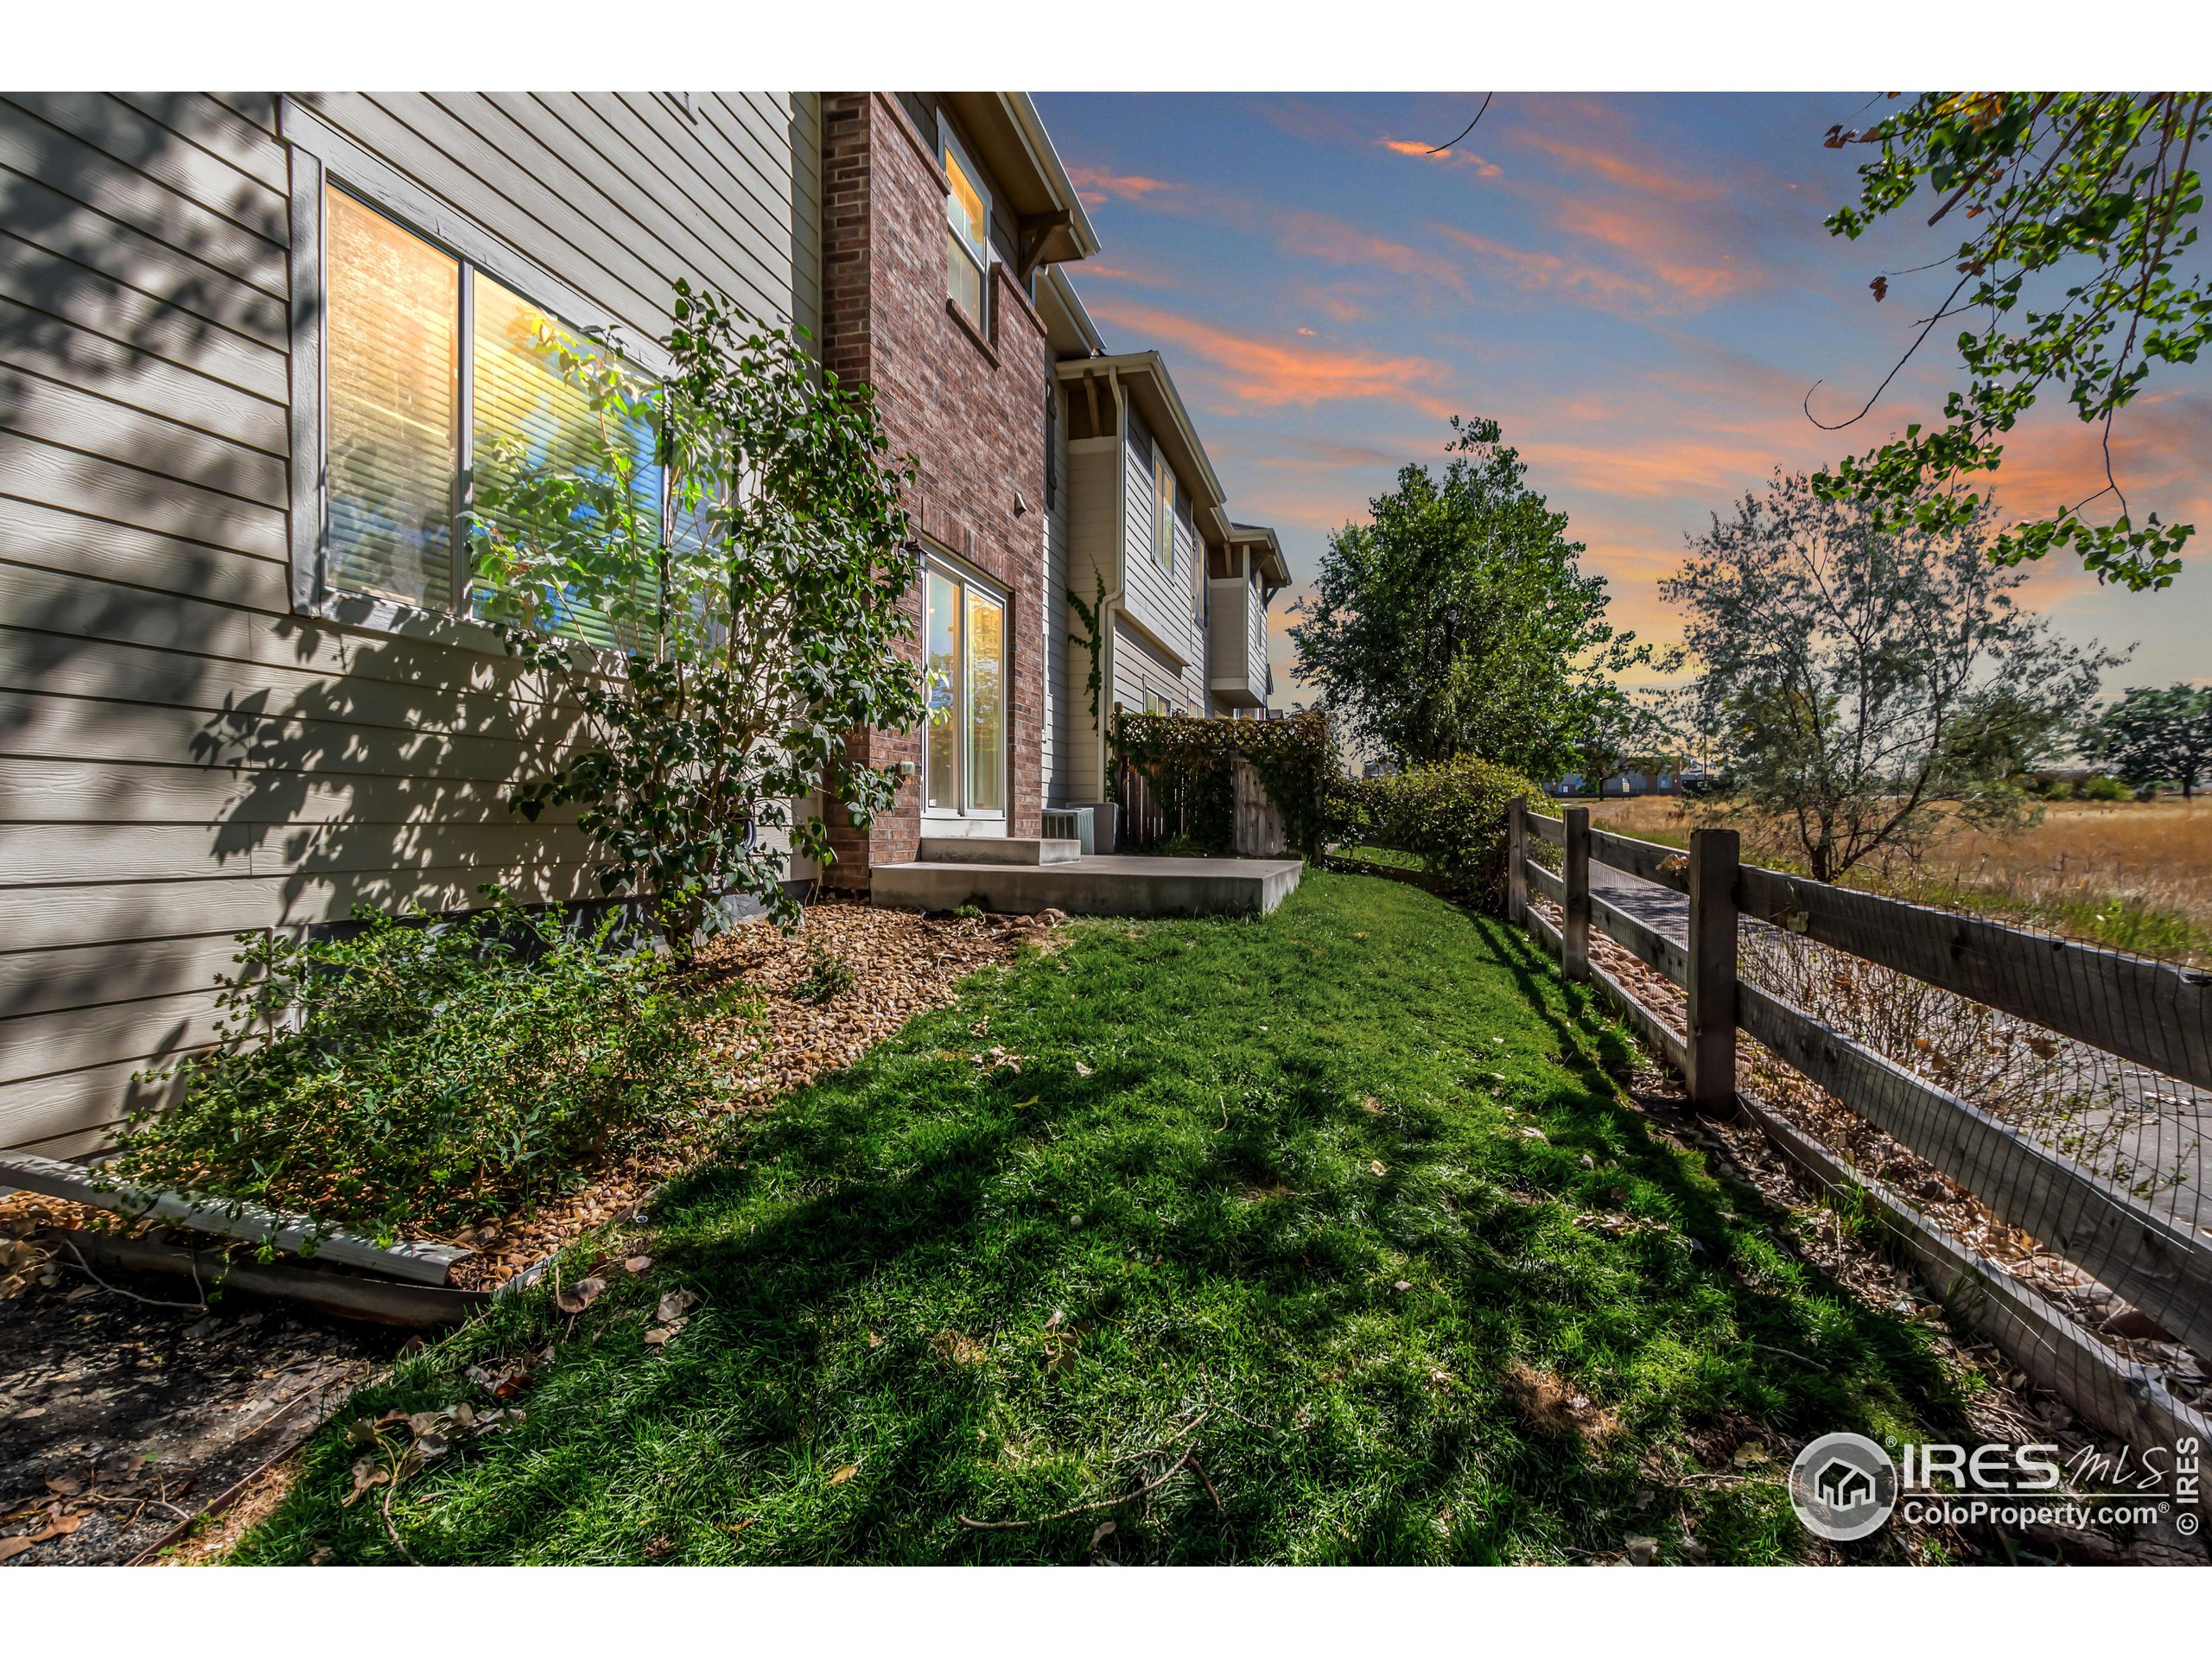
(1070, 824)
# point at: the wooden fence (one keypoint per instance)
(2158, 1017)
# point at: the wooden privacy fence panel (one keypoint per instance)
(1259, 832)
(2098, 1218)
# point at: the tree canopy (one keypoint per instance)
(1458, 620)
(2153, 736)
(2080, 206)
(1858, 679)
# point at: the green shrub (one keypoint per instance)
(1452, 815)
(2102, 787)
(828, 976)
(423, 1075)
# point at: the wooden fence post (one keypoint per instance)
(1575, 934)
(1516, 863)
(1714, 857)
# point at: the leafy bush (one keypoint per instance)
(1452, 815)
(2102, 787)
(828, 976)
(422, 1075)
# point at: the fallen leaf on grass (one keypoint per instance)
(637, 1264)
(844, 1474)
(576, 1298)
(367, 1474)
(1373, 1105)
(661, 1335)
(1101, 1533)
(1031, 1101)
(674, 1305)
(1376, 1166)
(1749, 1455)
(1082, 1070)
(875, 1341)
(1642, 1551)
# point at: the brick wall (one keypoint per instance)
(968, 408)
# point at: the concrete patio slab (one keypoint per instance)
(999, 850)
(1101, 886)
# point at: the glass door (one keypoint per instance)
(964, 652)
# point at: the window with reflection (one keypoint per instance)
(440, 379)
(964, 657)
(968, 255)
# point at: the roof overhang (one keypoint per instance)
(1069, 331)
(1008, 140)
(1272, 568)
(1144, 377)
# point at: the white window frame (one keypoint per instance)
(965, 577)
(322, 156)
(948, 146)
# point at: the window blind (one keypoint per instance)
(393, 325)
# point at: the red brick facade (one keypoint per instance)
(969, 411)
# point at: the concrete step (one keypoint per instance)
(1094, 886)
(999, 850)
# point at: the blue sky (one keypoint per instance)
(1639, 287)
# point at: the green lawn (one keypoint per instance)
(1298, 1196)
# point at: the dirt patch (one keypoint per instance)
(1552, 1407)
(120, 1419)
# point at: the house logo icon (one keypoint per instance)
(1843, 1487)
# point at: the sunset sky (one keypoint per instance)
(1638, 287)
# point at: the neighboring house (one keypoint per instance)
(1181, 590)
(251, 348)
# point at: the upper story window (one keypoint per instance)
(968, 233)
(439, 380)
(1163, 512)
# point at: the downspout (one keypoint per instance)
(1120, 592)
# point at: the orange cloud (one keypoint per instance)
(1645, 179)
(1525, 268)
(1267, 375)
(1096, 184)
(1679, 255)
(1333, 241)
(1467, 158)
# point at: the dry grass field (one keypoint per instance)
(2135, 875)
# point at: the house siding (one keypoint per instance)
(182, 757)
(1064, 698)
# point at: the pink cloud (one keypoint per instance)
(1460, 158)
(1266, 374)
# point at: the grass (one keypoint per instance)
(1297, 1196)
(2134, 875)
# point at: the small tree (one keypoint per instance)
(1458, 620)
(1859, 679)
(759, 617)
(1625, 733)
(2151, 737)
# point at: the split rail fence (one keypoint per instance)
(2115, 1192)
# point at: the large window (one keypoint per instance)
(440, 379)
(963, 642)
(968, 235)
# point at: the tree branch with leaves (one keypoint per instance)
(2082, 206)
(756, 617)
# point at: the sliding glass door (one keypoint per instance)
(963, 646)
